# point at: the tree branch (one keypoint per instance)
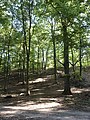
(60, 62)
(73, 64)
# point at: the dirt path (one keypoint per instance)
(46, 107)
(40, 112)
(46, 101)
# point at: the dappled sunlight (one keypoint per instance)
(78, 90)
(41, 111)
(35, 90)
(46, 107)
(59, 90)
(8, 112)
(45, 99)
(13, 95)
(38, 80)
(38, 107)
(42, 106)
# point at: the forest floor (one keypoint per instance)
(45, 101)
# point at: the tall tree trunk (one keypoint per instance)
(33, 58)
(8, 61)
(27, 50)
(42, 59)
(38, 57)
(80, 57)
(1, 60)
(20, 68)
(24, 63)
(54, 49)
(5, 70)
(24, 43)
(8, 65)
(73, 65)
(67, 90)
(27, 79)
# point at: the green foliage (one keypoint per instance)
(75, 15)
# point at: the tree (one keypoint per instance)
(26, 45)
(54, 46)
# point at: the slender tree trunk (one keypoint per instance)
(8, 62)
(27, 80)
(33, 58)
(24, 43)
(8, 65)
(66, 60)
(27, 51)
(72, 59)
(5, 71)
(42, 59)
(24, 63)
(20, 68)
(38, 57)
(0, 60)
(54, 50)
(80, 57)
(55, 69)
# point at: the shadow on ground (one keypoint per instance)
(45, 101)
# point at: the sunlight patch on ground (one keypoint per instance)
(8, 112)
(47, 107)
(48, 99)
(38, 80)
(76, 90)
(60, 90)
(88, 89)
(43, 107)
(13, 95)
(34, 90)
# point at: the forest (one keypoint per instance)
(44, 43)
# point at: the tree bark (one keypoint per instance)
(80, 57)
(73, 65)
(42, 59)
(26, 47)
(67, 90)
(54, 49)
